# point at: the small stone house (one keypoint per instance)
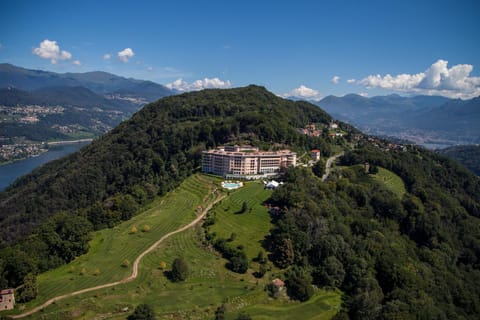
(7, 299)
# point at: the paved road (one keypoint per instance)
(328, 165)
(135, 266)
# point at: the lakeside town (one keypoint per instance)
(14, 152)
(28, 130)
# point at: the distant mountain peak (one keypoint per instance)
(100, 82)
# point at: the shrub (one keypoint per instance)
(179, 270)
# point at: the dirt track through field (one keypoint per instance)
(134, 274)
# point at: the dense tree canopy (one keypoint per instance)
(395, 258)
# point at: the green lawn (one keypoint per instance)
(323, 305)
(392, 181)
(209, 283)
(250, 227)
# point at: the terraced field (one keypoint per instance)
(110, 248)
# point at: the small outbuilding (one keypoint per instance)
(7, 299)
(315, 154)
(278, 283)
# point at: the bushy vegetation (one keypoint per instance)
(142, 312)
(414, 257)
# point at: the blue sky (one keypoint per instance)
(304, 48)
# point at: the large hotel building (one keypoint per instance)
(246, 162)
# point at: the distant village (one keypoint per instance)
(12, 152)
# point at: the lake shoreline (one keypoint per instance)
(47, 144)
(14, 170)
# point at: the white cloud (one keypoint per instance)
(181, 85)
(149, 69)
(363, 94)
(126, 54)
(438, 79)
(77, 62)
(303, 92)
(107, 56)
(335, 79)
(50, 50)
(351, 81)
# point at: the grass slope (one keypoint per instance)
(250, 227)
(209, 283)
(392, 181)
(109, 248)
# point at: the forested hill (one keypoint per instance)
(469, 156)
(409, 254)
(152, 153)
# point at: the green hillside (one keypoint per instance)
(154, 151)
(469, 156)
(402, 243)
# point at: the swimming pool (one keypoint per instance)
(231, 185)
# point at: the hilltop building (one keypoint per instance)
(333, 125)
(246, 162)
(315, 155)
(7, 299)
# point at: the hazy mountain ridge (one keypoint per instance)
(62, 96)
(421, 118)
(100, 82)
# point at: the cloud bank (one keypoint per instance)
(51, 50)
(182, 86)
(303, 92)
(125, 55)
(438, 79)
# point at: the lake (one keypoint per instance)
(10, 172)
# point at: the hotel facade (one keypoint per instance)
(246, 162)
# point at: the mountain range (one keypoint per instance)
(421, 119)
(91, 103)
(99, 82)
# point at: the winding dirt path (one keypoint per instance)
(136, 263)
(328, 165)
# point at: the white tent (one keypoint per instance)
(272, 184)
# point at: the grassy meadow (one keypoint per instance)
(392, 181)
